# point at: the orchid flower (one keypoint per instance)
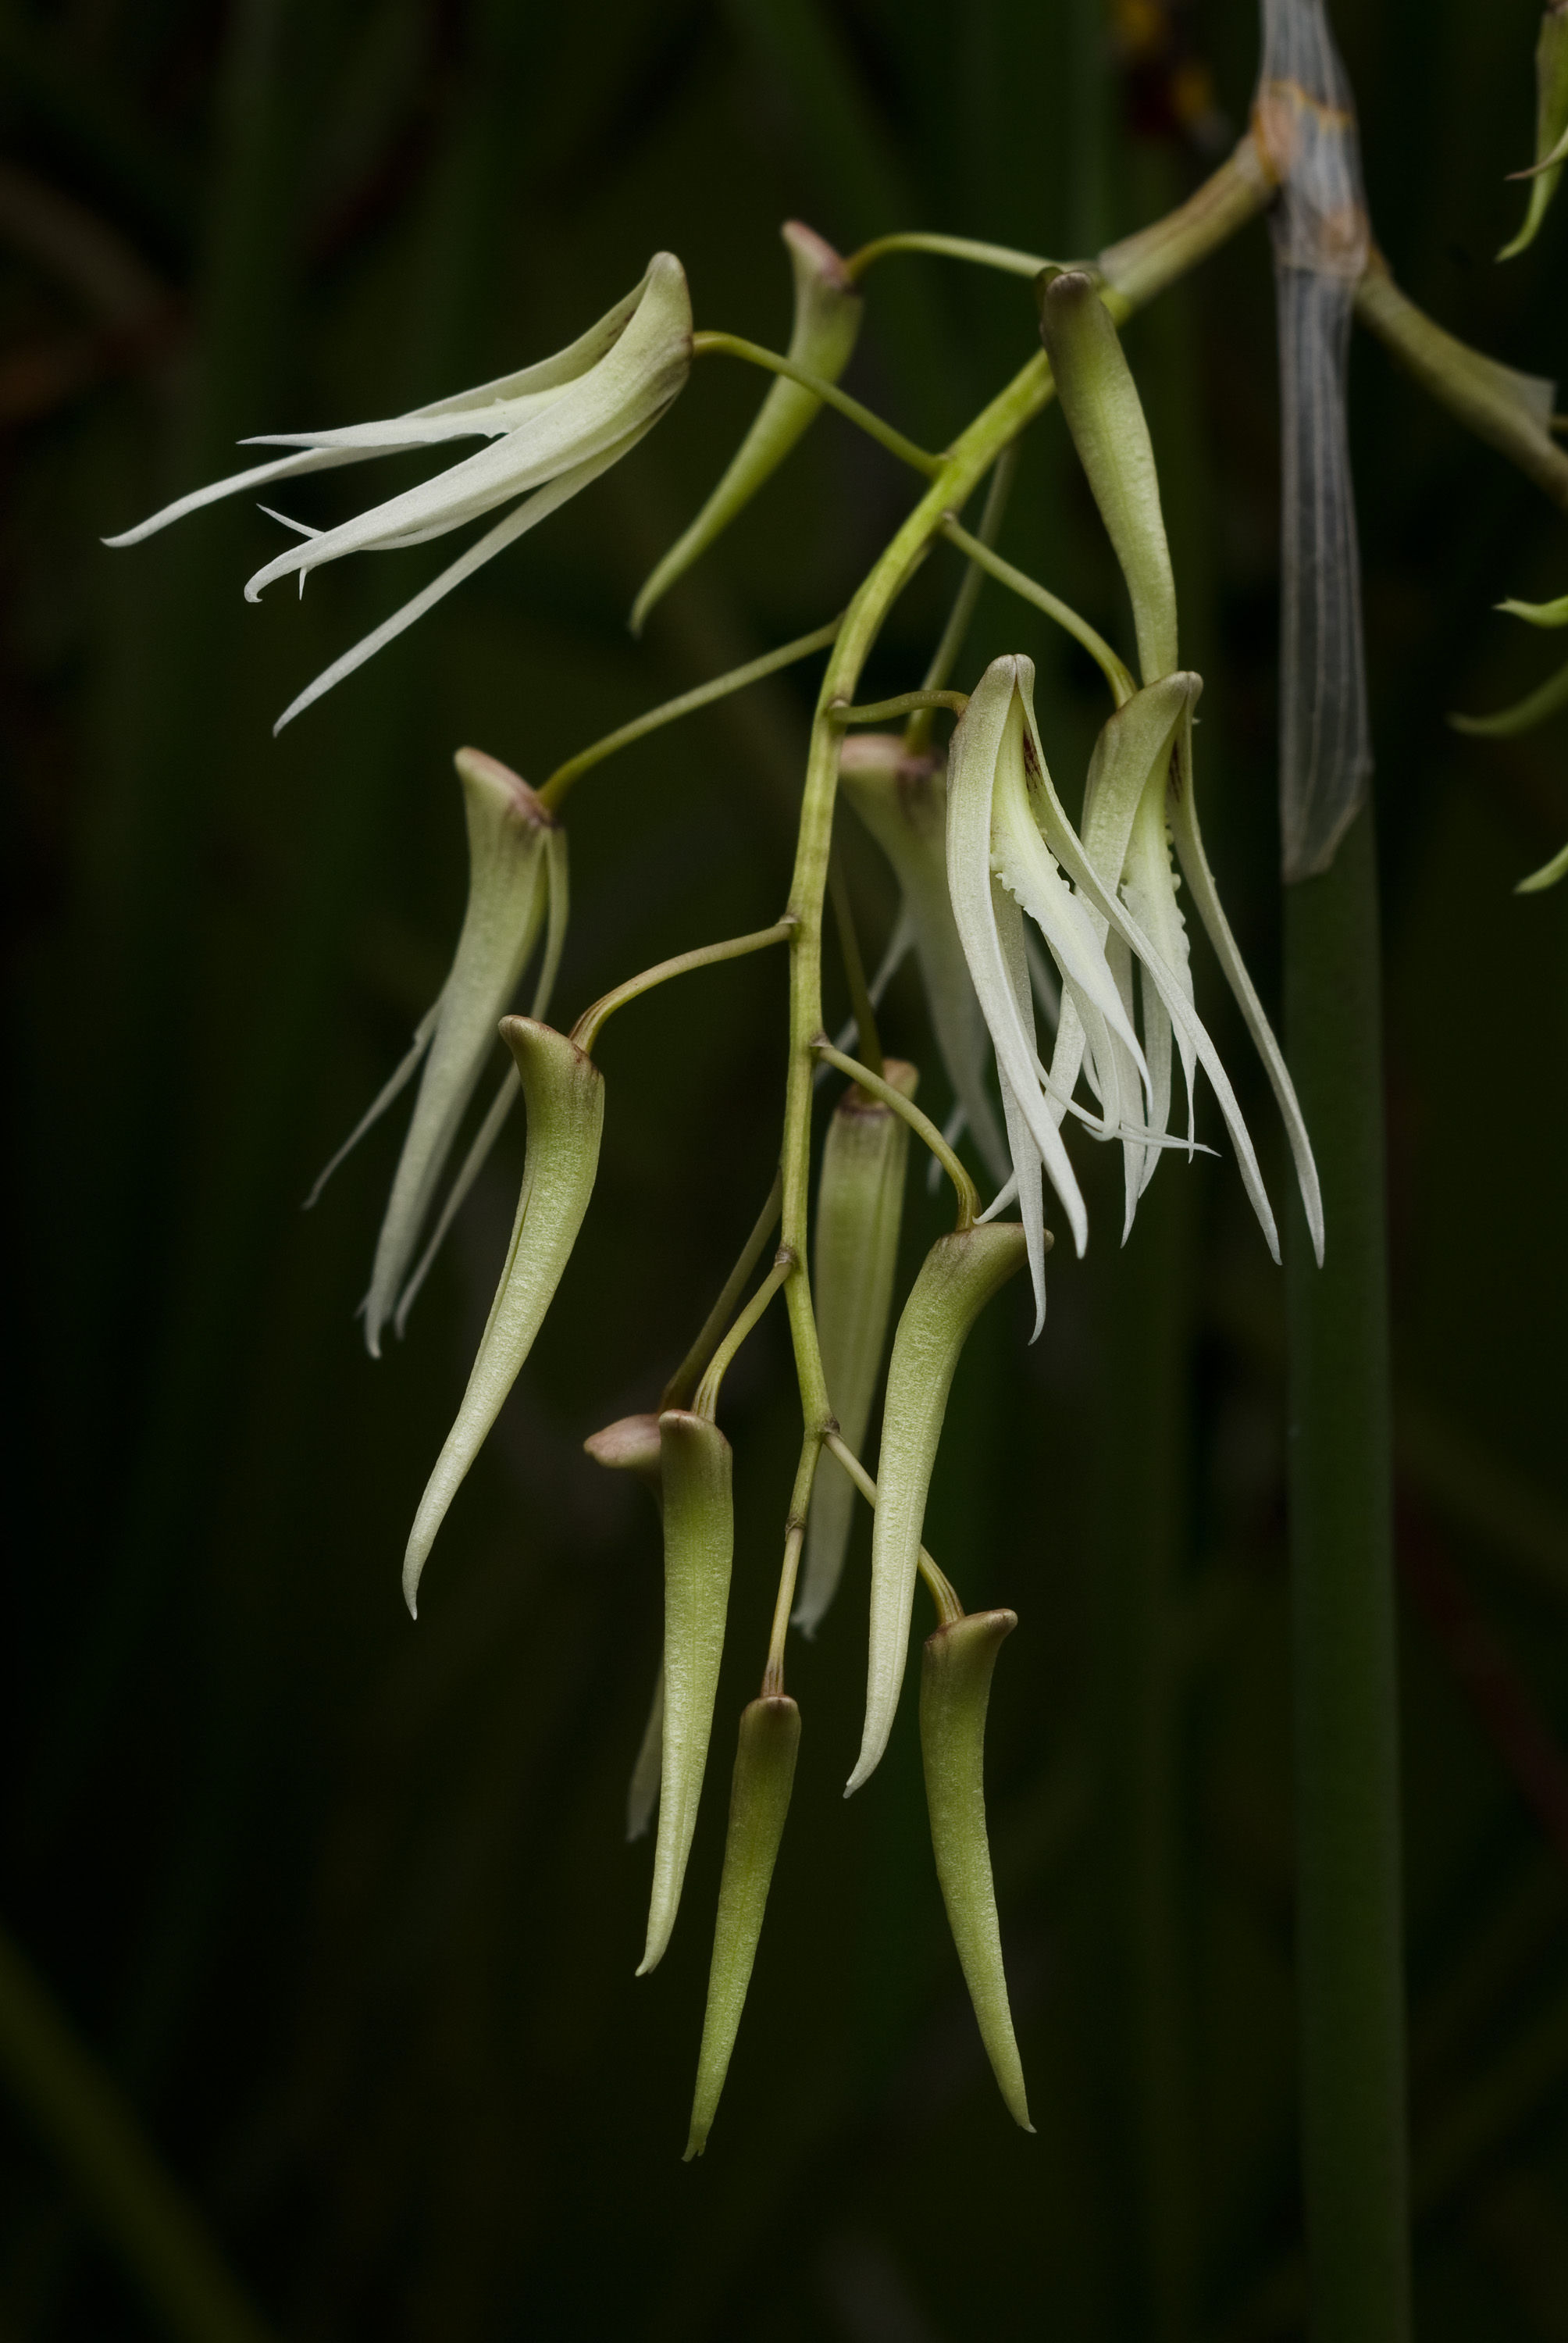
(555, 426)
(1011, 851)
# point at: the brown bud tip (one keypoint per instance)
(474, 764)
(827, 262)
(630, 1444)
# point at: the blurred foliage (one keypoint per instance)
(343, 1903)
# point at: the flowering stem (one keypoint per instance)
(903, 703)
(591, 1023)
(949, 248)
(707, 1400)
(940, 1586)
(860, 1008)
(1115, 673)
(794, 1538)
(876, 1087)
(1348, 1943)
(686, 704)
(678, 1391)
(734, 345)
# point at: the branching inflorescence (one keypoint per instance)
(1016, 919)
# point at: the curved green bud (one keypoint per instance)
(828, 308)
(860, 1207)
(632, 1444)
(759, 1802)
(1539, 614)
(1105, 416)
(1551, 124)
(507, 887)
(1524, 716)
(699, 1546)
(955, 1692)
(957, 1279)
(563, 1093)
(903, 802)
(1549, 875)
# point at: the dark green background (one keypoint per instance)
(342, 1902)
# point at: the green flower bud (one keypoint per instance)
(860, 1207)
(958, 1278)
(759, 1802)
(1551, 124)
(828, 308)
(955, 1692)
(563, 1093)
(903, 802)
(1105, 416)
(699, 1546)
(632, 1445)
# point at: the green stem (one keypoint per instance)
(592, 1022)
(678, 1391)
(706, 1402)
(944, 659)
(874, 1085)
(1350, 1955)
(686, 704)
(949, 248)
(860, 1008)
(734, 345)
(903, 703)
(149, 2219)
(794, 1538)
(1112, 668)
(942, 1591)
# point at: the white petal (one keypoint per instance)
(1205, 895)
(401, 1076)
(527, 514)
(971, 776)
(1065, 845)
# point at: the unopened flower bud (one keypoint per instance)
(699, 1546)
(507, 885)
(903, 802)
(828, 308)
(1105, 416)
(563, 1095)
(759, 1802)
(859, 1209)
(957, 1279)
(955, 1692)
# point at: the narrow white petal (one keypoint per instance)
(534, 510)
(1020, 1139)
(1206, 895)
(402, 1075)
(977, 906)
(288, 468)
(473, 1163)
(1064, 843)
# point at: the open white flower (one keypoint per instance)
(1011, 850)
(555, 426)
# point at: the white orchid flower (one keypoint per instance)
(1010, 850)
(555, 426)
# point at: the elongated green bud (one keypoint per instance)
(903, 802)
(508, 827)
(759, 1802)
(632, 1444)
(957, 1279)
(955, 1692)
(699, 1544)
(828, 310)
(563, 1094)
(1551, 124)
(1105, 416)
(860, 1207)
